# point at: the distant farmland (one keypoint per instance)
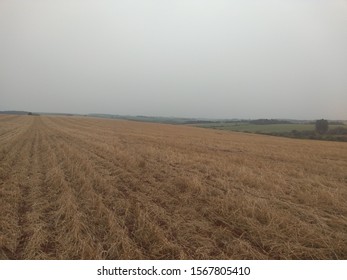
(88, 188)
(337, 132)
(267, 128)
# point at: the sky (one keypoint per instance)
(179, 58)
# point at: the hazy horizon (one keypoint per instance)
(185, 58)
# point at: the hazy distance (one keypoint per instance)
(182, 58)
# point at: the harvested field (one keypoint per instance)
(84, 188)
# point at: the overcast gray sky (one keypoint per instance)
(184, 58)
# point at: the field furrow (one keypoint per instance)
(14, 174)
(103, 224)
(146, 198)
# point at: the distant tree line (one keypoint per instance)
(330, 122)
(199, 122)
(321, 132)
(269, 121)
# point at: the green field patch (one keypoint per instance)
(267, 128)
(298, 130)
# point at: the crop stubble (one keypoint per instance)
(87, 188)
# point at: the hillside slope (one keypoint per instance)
(84, 188)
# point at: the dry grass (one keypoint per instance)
(83, 188)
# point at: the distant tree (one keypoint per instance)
(322, 126)
(30, 114)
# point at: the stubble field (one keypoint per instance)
(84, 188)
